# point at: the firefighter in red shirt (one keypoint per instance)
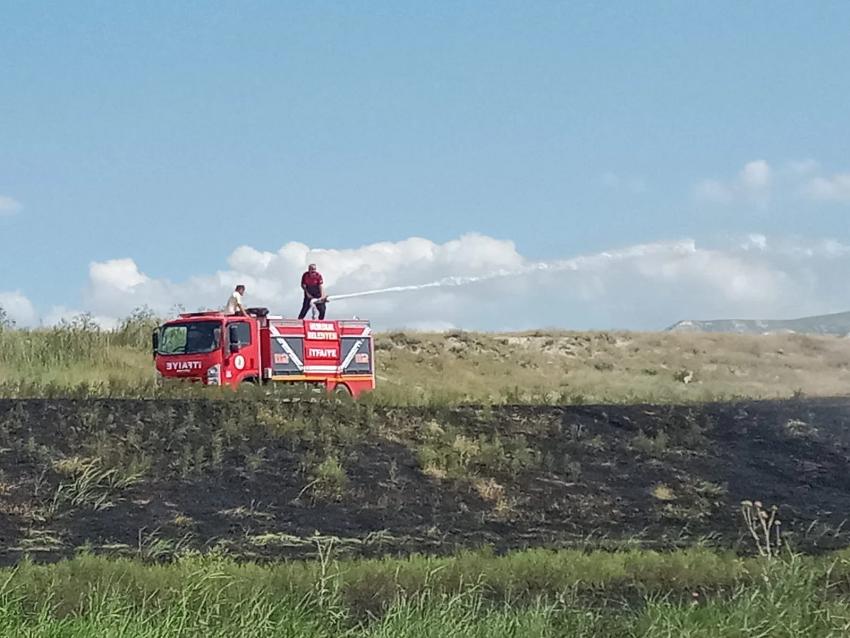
(314, 288)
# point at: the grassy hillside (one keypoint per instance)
(536, 367)
(612, 367)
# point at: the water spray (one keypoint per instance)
(440, 283)
(445, 282)
(575, 264)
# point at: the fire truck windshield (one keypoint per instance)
(190, 338)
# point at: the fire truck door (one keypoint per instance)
(355, 357)
(287, 355)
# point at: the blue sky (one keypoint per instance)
(170, 134)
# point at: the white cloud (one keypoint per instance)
(755, 176)
(835, 188)
(22, 311)
(478, 282)
(755, 241)
(18, 308)
(121, 274)
(272, 278)
(758, 183)
(752, 185)
(9, 206)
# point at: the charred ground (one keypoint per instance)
(264, 479)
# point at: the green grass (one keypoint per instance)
(78, 352)
(690, 595)
(458, 367)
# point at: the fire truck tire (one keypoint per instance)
(342, 391)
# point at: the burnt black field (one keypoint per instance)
(263, 479)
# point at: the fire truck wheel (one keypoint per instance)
(342, 391)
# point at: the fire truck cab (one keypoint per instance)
(219, 349)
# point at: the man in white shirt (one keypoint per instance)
(234, 304)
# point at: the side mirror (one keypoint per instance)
(155, 343)
(233, 337)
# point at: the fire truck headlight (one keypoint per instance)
(214, 375)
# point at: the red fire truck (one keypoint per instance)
(219, 349)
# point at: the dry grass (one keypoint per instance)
(663, 492)
(555, 366)
(532, 367)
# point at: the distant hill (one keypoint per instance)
(837, 324)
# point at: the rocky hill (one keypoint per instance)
(837, 324)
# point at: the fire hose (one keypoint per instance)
(314, 311)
